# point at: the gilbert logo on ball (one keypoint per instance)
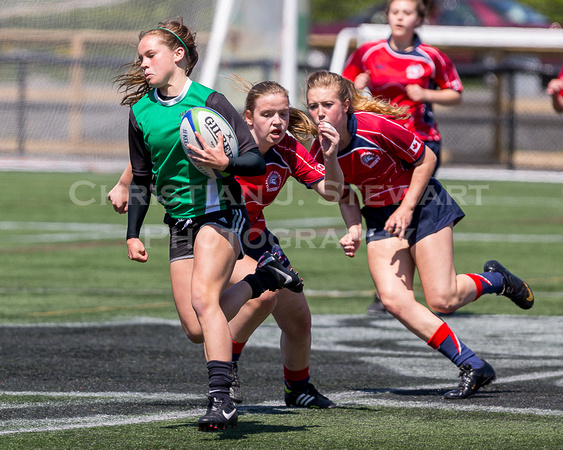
(208, 123)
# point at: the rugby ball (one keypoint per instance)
(208, 123)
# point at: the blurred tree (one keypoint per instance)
(330, 10)
(550, 8)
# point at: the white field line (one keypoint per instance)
(483, 174)
(330, 330)
(100, 396)
(80, 397)
(102, 420)
(347, 398)
(449, 406)
(502, 380)
(31, 164)
(81, 232)
(313, 293)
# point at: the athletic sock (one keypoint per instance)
(487, 283)
(296, 379)
(446, 342)
(261, 281)
(237, 350)
(220, 378)
(256, 284)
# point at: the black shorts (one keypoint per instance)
(266, 242)
(436, 210)
(184, 231)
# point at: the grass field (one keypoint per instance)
(63, 261)
(65, 257)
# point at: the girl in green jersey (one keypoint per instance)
(206, 216)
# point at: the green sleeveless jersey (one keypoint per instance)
(155, 149)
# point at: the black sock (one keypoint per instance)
(220, 378)
(255, 284)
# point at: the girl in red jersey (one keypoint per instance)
(409, 219)
(269, 117)
(407, 72)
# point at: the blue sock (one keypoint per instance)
(446, 342)
(488, 282)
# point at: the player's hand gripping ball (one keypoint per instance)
(208, 123)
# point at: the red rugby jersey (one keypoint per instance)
(288, 158)
(378, 159)
(561, 77)
(391, 71)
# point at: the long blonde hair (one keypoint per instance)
(173, 34)
(300, 125)
(359, 100)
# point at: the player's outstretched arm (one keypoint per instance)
(249, 163)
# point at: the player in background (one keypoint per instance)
(269, 117)
(408, 73)
(205, 231)
(409, 222)
(555, 89)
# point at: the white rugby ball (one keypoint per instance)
(208, 123)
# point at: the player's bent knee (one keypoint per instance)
(193, 333)
(202, 300)
(443, 304)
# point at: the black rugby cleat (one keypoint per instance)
(514, 288)
(221, 412)
(307, 398)
(471, 381)
(235, 391)
(270, 265)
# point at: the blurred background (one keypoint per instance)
(58, 59)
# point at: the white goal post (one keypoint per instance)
(288, 44)
(221, 22)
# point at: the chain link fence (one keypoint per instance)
(57, 100)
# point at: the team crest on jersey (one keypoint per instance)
(273, 181)
(415, 146)
(415, 71)
(369, 159)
